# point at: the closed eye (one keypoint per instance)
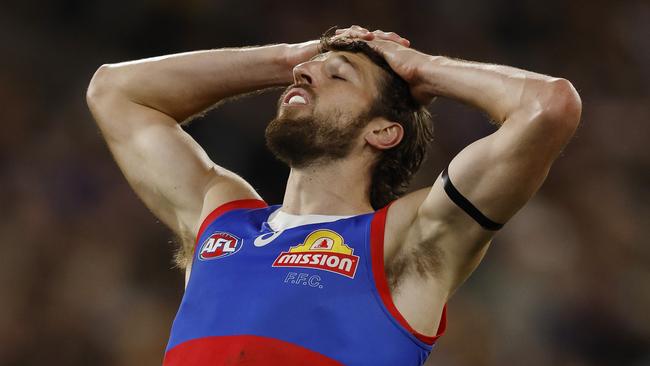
(338, 77)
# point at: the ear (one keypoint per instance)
(384, 134)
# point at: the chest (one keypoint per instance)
(325, 257)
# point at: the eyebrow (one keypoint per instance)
(340, 56)
(343, 58)
(347, 61)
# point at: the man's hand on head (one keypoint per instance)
(407, 63)
(357, 32)
(301, 52)
(395, 49)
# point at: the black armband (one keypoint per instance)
(467, 206)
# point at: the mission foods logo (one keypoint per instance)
(219, 245)
(322, 249)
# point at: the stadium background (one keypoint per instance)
(85, 270)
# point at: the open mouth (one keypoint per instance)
(296, 97)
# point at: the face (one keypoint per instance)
(322, 115)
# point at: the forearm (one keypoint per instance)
(182, 85)
(498, 90)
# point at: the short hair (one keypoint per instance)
(395, 167)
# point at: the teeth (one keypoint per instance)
(297, 99)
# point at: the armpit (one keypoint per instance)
(423, 260)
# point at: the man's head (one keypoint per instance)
(348, 98)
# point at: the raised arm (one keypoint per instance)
(536, 115)
(139, 106)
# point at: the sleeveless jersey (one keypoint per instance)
(314, 294)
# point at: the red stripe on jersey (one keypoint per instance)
(232, 205)
(377, 228)
(243, 350)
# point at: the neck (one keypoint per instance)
(340, 187)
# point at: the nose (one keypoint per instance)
(304, 73)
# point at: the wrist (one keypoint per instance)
(419, 78)
(425, 68)
(297, 53)
(424, 76)
(284, 72)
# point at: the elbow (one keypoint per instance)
(562, 105)
(98, 86)
(102, 85)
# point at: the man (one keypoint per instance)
(324, 279)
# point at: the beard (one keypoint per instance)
(301, 141)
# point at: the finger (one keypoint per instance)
(353, 28)
(367, 36)
(361, 34)
(348, 33)
(392, 36)
(395, 37)
(359, 28)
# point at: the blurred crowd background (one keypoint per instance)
(86, 273)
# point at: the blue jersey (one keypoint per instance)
(313, 294)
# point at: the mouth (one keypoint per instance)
(297, 96)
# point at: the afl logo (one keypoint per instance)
(219, 245)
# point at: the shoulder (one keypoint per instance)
(212, 211)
